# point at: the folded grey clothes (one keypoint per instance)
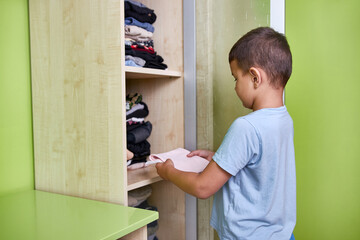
(138, 196)
(137, 60)
(140, 133)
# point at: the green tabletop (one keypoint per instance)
(42, 215)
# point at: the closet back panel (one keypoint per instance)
(168, 34)
(165, 100)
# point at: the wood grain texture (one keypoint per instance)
(140, 234)
(78, 105)
(171, 210)
(78, 80)
(142, 177)
(142, 73)
(204, 99)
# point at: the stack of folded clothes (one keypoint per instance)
(138, 130)
(139, 45)
(138, 198)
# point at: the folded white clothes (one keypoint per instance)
(135, 119)
(135, 31)
(136, 107)
(136, 166)
(181, 161)
(139, 38)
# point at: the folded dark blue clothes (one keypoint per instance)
(142, 14)
(136, 3)
(156, 65)
(140, 133)
(140, 149)
(152, 60)
(132, 126)
(139, 111)
(144, 55)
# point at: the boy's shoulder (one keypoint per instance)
(242, 126)
(266, 118)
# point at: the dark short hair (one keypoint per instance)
(267, 49)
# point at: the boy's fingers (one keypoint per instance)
(193, 153)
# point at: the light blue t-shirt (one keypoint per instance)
(259, 200)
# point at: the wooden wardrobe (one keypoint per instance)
(79, 84)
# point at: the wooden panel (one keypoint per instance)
(142, 73)
(78, 105)
(204, 99)
(142, 177)
(140, 234)
(170, 202)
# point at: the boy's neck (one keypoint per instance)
(269, 99)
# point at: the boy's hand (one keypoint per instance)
(202, 153)
(163, 168)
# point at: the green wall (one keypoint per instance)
(323, 97)
(16, 154)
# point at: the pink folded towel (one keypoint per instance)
(181, 161)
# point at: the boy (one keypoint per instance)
(252, 174)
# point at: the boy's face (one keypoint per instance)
(244, 86)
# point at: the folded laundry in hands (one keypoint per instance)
(181, 161)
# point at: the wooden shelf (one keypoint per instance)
(141, 73)
(141, 177)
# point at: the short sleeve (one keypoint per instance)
(241, 145)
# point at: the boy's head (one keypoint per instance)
(267, 49)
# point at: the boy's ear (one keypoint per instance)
(256, 76)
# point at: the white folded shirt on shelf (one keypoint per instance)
(181, 161)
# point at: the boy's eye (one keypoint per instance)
(235, 79)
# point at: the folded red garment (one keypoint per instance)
(143, 48)
(181, 161)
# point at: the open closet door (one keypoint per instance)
(210, 29)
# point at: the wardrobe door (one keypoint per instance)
(78, 98)
(219, 24)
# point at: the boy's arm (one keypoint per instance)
(201, 185)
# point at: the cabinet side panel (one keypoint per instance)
(78, 98)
